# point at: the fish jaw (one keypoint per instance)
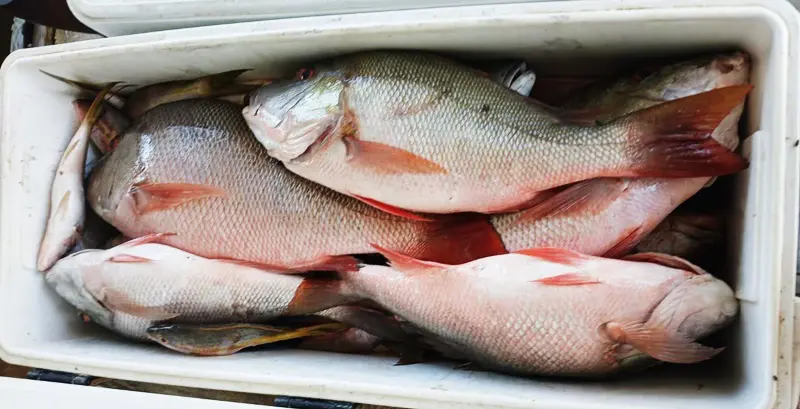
(696, 308)
(288, 117)
(66, 277)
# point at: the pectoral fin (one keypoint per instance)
(156, 197)
(660, 345)
(385, 159)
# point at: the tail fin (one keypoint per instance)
(673, 139)
(458, 240)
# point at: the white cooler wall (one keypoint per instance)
(38, 329)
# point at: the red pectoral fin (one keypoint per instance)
(666, 260)
(660, 345)
(155, 197)
(568, 279)
(406, 264)
(591, 196)
(393, 210)
(556, 255)
(385, 159)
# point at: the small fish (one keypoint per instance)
(193, 168)
(215, 85)
(129, 288)
(228, 339)
(422, 133)
(609, 216)
(66, 217)
(556, 312)
(111, 124)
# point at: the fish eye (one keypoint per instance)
(305, 73)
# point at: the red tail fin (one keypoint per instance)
(458, 240)
(673, 139)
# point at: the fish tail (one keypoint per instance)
(673, 139)
(457, 240)
(317, 294)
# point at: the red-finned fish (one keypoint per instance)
(609, 216)
(67, 209)
(420, 132)
(139, 283)
(556, 312)
(193, 168)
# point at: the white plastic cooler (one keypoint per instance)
(38, 329)
(120, 17)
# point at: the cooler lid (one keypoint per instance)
(120, 17)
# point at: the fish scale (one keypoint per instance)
(136, 284)
(613, 219)
(519, 322)
(419, 132)
(267, 214)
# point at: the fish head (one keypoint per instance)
(699, 306)
(113, 178)
(695, 76)
(67, 278)
(288, 117)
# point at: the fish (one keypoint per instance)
(419, 132)
(609, 216)
(228, 339)
(556, 312)
(194, 169)
(215, 85)
(689, 235)
(67, 209)
(109, 126)
(132, 287)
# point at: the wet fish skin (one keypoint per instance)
(687, 235)
(555, 312)
(172, 173)
(109, 126)
(621, 212)
(129, 288)
(214, 85)
(228, 339)
(66, 214)
(419, 132)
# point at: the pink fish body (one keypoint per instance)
(555, 312)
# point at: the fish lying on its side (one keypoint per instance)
(193, 168)
(556, 312)
(67, 205)
(227, 339)
(419, 132)
(358, 330)
(609, 216)
(137, 284)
